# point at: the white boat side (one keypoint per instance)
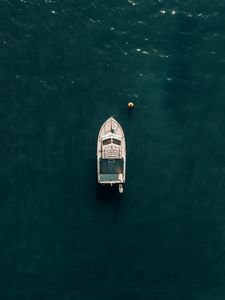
(111, 153)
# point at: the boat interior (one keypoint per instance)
(111, 166)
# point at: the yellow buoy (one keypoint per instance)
(130, 105)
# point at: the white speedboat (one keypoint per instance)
(111, 154)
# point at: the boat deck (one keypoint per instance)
(111, 166)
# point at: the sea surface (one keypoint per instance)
(65, 67)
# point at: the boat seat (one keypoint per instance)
(109, 177)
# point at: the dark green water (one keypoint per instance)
(66, 66)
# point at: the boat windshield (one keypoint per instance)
(106, 142)
(117, 142)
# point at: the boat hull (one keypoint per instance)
(111, 154)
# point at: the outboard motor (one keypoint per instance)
(120, 188)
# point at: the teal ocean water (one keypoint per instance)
(66, 66)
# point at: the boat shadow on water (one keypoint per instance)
(108, 196)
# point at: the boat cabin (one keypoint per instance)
(108, 141)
